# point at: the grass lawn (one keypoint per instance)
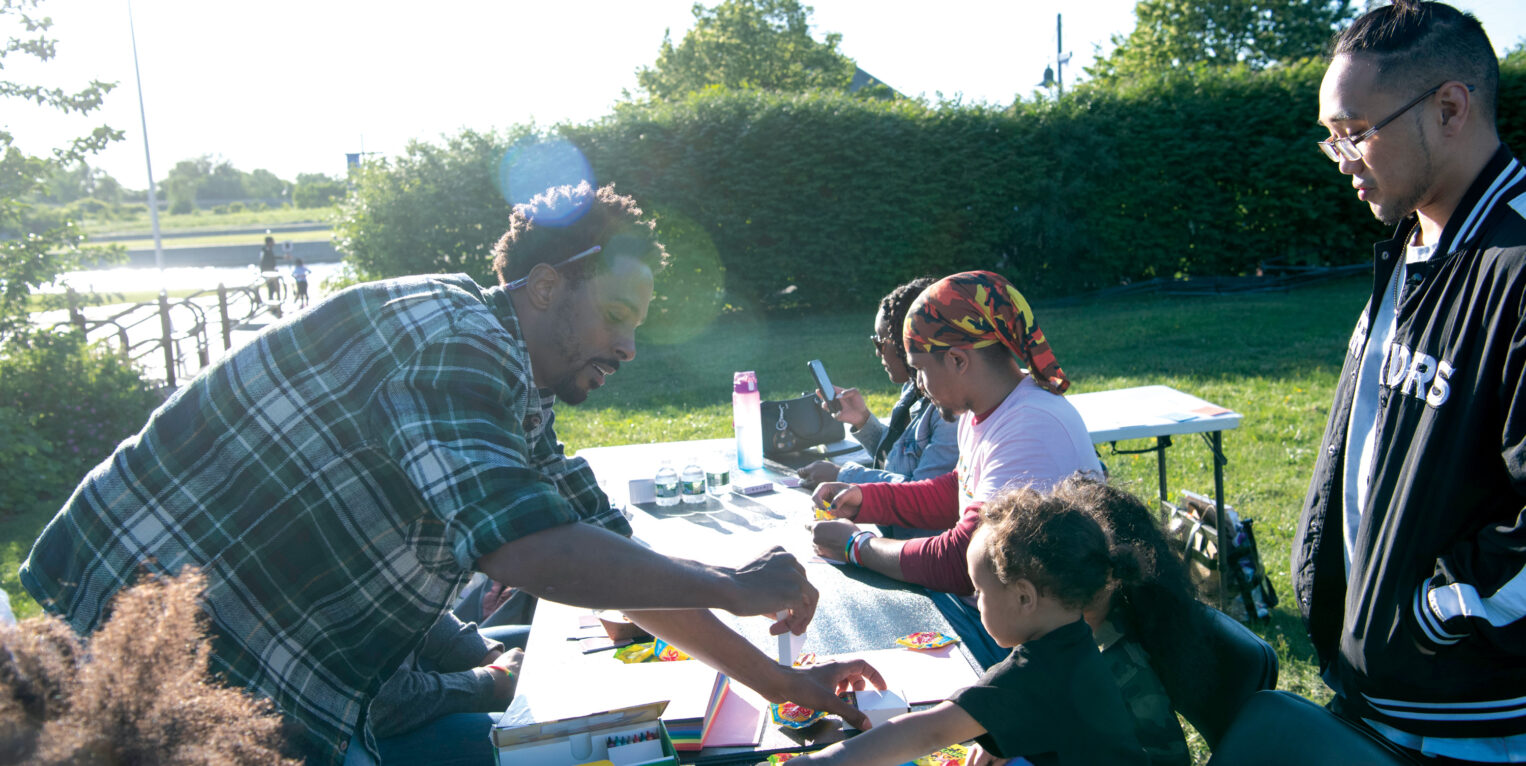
(1273, 357)
(206, 219)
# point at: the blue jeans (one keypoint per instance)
(460, 739)
(457, 739)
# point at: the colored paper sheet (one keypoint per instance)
(924, 676)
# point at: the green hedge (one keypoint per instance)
(822, 198)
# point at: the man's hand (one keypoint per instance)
(772, 583)
(854, 411)
(505, 670)
(842, 500)
(831, 538)
(817, 687)
(817, 472)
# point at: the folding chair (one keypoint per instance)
(1277, 728)
(1243, 664)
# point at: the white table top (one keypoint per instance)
(1144, 412)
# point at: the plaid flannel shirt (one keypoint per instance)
(335, 479)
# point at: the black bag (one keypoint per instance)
(796, 424)
(1193, 525)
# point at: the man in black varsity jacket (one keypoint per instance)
(1408, 559)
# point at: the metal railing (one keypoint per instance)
(182, 332)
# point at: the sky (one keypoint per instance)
(291, 86)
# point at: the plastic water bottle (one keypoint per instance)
(718, 473)
(665, 485)
(693, 482)
(747, 419)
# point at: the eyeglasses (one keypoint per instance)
(880, 341)
(524, 280)
(1345, 148)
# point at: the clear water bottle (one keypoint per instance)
(718, 473)
(665, 485)
(693, 480)
(747, 419)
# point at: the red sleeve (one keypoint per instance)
(939, 562)
(926, 504)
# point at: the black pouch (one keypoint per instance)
(794, 425)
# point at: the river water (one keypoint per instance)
(124, 279)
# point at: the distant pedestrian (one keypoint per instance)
(299, 275)
(268, 267)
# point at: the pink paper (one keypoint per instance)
(739, 723)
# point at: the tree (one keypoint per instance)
(317, 190)
(263, 184)
(34, 249)
(1257, 33)
(764, 44)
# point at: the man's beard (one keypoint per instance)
(567, 388)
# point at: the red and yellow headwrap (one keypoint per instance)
(976, 309)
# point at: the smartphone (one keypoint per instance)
(828, 393)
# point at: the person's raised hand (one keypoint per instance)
(831, 538)
(839, 498)
(854, 411)
(775, 582)
(817, 687)
(817, 472)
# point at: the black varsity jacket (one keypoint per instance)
(1426, 634)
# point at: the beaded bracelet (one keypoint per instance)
(853, 546)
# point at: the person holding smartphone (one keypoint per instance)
(917, 443)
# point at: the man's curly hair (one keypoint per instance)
(139, 693)
(609, 220)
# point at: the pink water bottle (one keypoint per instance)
(747, 419)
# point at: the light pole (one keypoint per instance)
(153, 202)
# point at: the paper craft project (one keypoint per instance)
(926, 639)
(789, 644)
(880, 706)
(738, 720)
(792, 716)
(687, 723)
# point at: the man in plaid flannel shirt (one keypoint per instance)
(341, 475)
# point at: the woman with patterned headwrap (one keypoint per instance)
(981, 358)
(917, 444)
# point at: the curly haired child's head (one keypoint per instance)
(1047, 540)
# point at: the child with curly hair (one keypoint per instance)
(1037, 562)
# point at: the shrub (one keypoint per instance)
(815, 199)
(235, 207)
(182, 207)
(219, 210)
(76, 400)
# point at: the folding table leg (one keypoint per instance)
(1161, 443)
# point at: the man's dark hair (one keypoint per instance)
(609, 220)
(897, 303)
(1418, 45)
